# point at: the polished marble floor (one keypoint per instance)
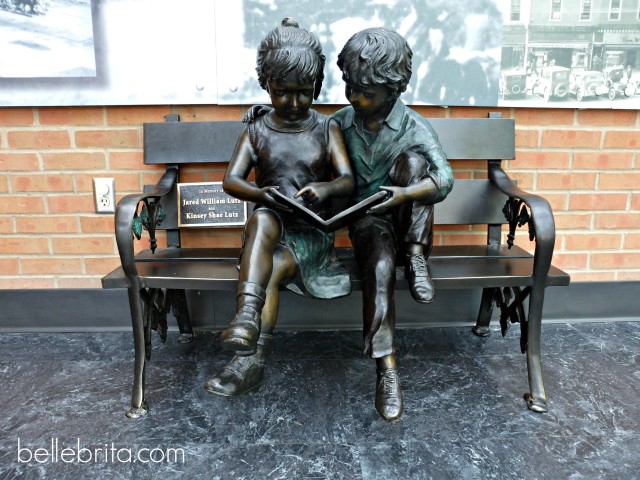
(314, 416)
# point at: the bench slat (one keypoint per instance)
(471, 202)
(344, 253)
(476, 138)
(204, 142)
(449, 273)
(190, 142)
(476, 266)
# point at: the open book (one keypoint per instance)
(336, 222)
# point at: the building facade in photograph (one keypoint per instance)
(575, 38)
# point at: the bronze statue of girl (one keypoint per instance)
(301, 153)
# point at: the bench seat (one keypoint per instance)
(470, 266)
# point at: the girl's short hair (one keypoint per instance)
(287, 49)
(377, 56)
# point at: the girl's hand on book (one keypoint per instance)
(315, 192)
(265, 198)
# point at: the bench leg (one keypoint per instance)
(484, 315)
(177, 299)
(139, 406)
(537, 397)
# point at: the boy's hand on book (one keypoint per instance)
(315, 192)
(395, 196)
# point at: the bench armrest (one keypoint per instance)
(126, 211)
(541, 223)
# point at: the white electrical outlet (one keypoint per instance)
(104, 194)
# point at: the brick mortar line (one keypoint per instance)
(63, 151)
(619, 171)
(583, 191)
(79, 256)
(599, 148)
(543, 127)
(70, 214)
(609, 251)
(599, 231)
(588, 253)
(70, 128)
(51, 275)
(60, 235)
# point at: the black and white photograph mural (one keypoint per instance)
(551, 53)
(146, 52)
(456, 45)
(46, 38)
(571, 53)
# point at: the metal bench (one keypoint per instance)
(156, 278)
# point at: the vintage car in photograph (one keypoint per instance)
(552, 82)
(587, 84)
(513, 84)
(617, 83)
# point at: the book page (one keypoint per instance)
(336, 222)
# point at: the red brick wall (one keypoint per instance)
(583, 161)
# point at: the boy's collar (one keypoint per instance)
(393, 120)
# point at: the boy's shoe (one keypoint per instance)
(389, 394)
(417, 273)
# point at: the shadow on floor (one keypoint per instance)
(314, 416)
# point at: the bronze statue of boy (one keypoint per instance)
(394, 149)
(301, 153)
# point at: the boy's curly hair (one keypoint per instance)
(287, 49)
(377, 56)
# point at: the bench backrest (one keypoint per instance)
(472, 201)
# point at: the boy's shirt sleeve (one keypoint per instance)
(439, 168)
(423, 140)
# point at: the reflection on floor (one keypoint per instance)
(314, 416)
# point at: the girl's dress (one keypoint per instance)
(319, 273)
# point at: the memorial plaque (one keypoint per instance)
(206, 205)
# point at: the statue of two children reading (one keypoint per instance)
(376, 144)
